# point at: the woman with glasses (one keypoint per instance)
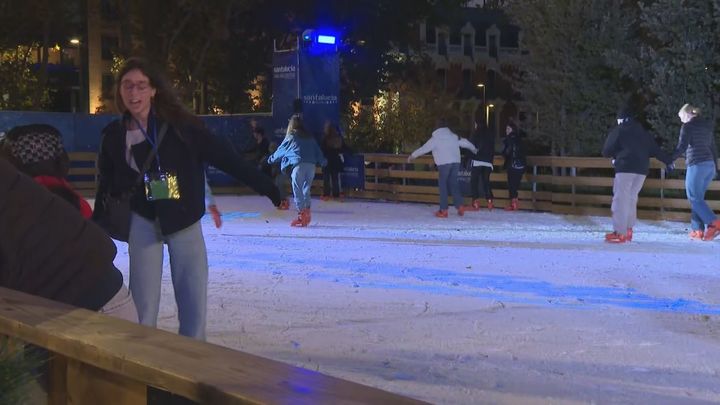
(158, 151)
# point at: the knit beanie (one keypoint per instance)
(35, 143)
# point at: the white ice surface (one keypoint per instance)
(491, 308)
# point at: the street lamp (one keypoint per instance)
(77, 101)
(487, 114)
(482, 86)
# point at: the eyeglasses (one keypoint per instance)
(139, 86)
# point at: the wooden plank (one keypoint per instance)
(82, 171)
(582, 181)
(83, 185)
(57, 380)
(83, 156)
(199, 371)
(88, 385)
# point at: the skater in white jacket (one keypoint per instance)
(445, 147)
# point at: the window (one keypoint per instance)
(467, 45)
(442, 44)
(109, 10)
(109, 46)
(493, 46)
(467, 75)
(429, 34)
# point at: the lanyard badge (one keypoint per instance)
(161, 186)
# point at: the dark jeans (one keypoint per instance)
(448, 183)
(480, 178)
(514, 176)
(331, 176)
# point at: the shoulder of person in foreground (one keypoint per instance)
(53, 230)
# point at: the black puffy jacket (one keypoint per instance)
(697, 142)
(48, 249)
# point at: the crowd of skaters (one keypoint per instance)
(54, 251)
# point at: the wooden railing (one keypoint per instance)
(97, 359)
(83, 172)
(563, 185)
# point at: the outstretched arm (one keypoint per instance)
(215, 151)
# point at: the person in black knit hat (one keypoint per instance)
(631, 147)
(37, 150)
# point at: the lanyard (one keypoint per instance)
(152, 140)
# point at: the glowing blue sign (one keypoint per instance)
(326, 39)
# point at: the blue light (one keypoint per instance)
(326, 39)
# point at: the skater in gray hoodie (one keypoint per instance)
(445, 147)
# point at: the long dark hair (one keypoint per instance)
(165, 103)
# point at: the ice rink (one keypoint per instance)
(490, 308)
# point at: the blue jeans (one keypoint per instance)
(448, 178)
(188, 267)
(697, 181)
(302, 177)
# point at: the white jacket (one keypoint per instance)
(445, 147)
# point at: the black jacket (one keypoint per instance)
(484, 141)
(697, 142)
(332, 150)
(514, 151)
(632, 147)
(48, 249)
(183, 152)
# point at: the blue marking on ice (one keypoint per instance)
(504, 288)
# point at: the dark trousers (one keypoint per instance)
(514, 176)
(480, 179)
(331, 177)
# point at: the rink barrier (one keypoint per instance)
(97, 359)
(562, 185)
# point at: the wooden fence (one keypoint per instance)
(563, 185)
(97, 359)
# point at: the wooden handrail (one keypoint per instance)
(108, 360)
(583, 176)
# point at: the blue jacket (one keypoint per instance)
(296, 149)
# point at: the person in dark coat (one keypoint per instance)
(332, 146)
(481, 165)
(697, 143)
(167, 208)
(259, 149)
(515, 162)
(631, 147)
(37, 150)
(48, 249)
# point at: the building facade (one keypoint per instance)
(477, 54)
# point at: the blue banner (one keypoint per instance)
(353, 175)
(320, 89)
(285, 91)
